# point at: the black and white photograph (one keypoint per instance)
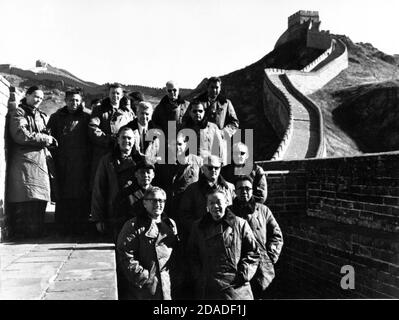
(219, 154)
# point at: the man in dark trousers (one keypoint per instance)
(72, 162)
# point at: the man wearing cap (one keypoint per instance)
(266, 230)
(114, 171)
(105, 121)
(129, 198)
(193, 202)
(72, 162)
(241, 166)
(171, 108)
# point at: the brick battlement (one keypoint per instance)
(335, 212)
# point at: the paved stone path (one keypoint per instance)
(67, 269)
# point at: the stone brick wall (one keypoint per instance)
(309, 82)
(4, 96)
(336, 212)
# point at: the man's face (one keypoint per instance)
(214, 89)
(216, 205)
(73, 102)
(240, 154)
(126, 141)
(181, 145)
(155, 204)
(173, 91)
(211, 172)
(144, 116)
(144, 177)
(197, 113)
(115, 94)
(244, 190)
(35, 98)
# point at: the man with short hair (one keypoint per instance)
(240, 166)
(182, 174)
(114, 171)
(135, 98)
(141, 125)
(172, 107)
(209, 137)
(218, 109)
(266, 230)
(223, 253)
(72, 162)
(105, 122)
(28, 184)
(193, 202)
(146, 250)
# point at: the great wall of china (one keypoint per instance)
(334, 212)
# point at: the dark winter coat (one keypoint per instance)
(258, 177)
(72, 157)
(145, 252)
(222, 113)
(223, 258)
(104, 125)
(193, 202)
(209, 139)
(28, 139)
(112, 174)
(167, 110)
(267, 234)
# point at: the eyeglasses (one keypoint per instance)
(198, 111)
(244, 188)
(172, 90)
(155, 201)
(212, 168)
(242, 153)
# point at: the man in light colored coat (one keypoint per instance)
(28, 182)
(266, 230)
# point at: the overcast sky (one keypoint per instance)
(148, 42)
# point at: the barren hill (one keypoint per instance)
(360, 105)
(244, 88)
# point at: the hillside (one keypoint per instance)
(56, 80)
(355, 103)
(244, 88)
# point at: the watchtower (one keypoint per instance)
(302, 16)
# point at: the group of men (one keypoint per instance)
(194, 227)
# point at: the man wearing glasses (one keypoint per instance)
(266, 230)
(146, 250)
(193, 202)
(218, 109)
(239, 167)
(209, 136)
(171, 108)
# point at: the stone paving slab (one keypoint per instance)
(58, 269)
(79, 285)
(94, 294)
